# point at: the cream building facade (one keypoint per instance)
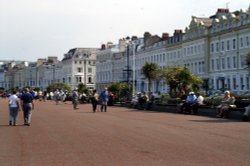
(213, 48)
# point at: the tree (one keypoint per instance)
(180, 79)
(82, 88)
(120, 90)
(58, 85)
(152, 72)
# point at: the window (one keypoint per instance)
(89, 70)
(203, 67)
(217, 47)
(200, 67)
(212, 47)
(90, 80)
(218, 64)
(242, 83)
(228, 83)
(234, 62)
(222, 46)
(212, 64)
(241, 42)
(228, 63)
(242, 60)
(79, 70)
(69, 79)
(247, 41)
(212, 84)
(234, 44)
(199, 48)
(248, 85)
(223, 63)
(196, 67)
(228, 45)
(234, 83)
(75, 62)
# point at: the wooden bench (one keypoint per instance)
(239, 107)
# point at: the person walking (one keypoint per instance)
(104, 96)
(94, 100)
(27, 105)
(14, 106)
(75, 98)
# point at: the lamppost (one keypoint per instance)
(128, 70)
(133, 84)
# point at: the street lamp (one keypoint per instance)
(133, 84)
(128, 70)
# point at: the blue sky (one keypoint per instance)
(32, 29)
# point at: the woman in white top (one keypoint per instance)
(14, 107)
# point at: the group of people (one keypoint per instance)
(191, 103)
(25, 103)
(146, 101)
(103, 98)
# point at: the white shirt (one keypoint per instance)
(200, 100)
(13, 101)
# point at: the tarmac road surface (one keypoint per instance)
(61, 136)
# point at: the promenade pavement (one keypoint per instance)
(61, 136)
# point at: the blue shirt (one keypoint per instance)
(27, 98)
(104, 96)
(191, 99)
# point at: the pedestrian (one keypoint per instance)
(75, 98)
(45, 95)
(104, 96)
(94, 100)
(27, 105)
(57, 96)
(14, 106)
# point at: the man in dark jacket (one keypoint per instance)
(28, 106)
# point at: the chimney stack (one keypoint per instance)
(165, 36)
(103, 47)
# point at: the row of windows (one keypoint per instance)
(80, 70)
(196, 67)
(80, 80)
(104, 77)
(230, 24)
(229, 44)
(84, 62)
(242, 83)
(193, 50)
(222, 63)
(104, 66)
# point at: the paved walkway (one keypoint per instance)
(61, 136)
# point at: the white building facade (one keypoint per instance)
(213, 48)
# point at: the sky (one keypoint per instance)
(32, 29)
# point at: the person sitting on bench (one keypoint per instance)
(225, 104)
(198, 102)
(187, 105)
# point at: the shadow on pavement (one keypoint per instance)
(215, 121)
